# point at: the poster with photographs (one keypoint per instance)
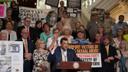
(74, 4)
(53, 3)
(35, 14)
(5, 63)
(11, 56)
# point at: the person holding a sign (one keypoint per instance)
(108, 55)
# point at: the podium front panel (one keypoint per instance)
(74, 65)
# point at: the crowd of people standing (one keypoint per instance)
(46, 45)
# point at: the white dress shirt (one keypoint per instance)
(64, 55)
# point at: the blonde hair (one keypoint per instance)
(66, 29)
(38, 41)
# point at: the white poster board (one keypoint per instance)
(95, 58)
(11, 56)
(33, 13)
(88, 53)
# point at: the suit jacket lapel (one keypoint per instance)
(107, 54)
(68, 55)
(104, 51)
(59, 54)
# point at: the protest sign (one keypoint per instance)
(88, 53)
(11, 56)
(2, 11)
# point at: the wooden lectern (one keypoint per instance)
(74, 66)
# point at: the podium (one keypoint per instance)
(74, 66)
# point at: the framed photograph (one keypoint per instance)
(53, 3)
(14, 48)
(69, 10)
(74, 4)
(73, 14)
(75, 10)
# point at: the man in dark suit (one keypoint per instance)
(108, 55)
(63, 53)
(31, 31)
(28, 48)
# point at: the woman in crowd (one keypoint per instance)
(118, 38)
(8, 17)
(125, 36)
(59, 26)
(123, 62)
(15, 14)
(46, 34)
(67, 34)
(11, 34)
(81, 39)
(75, 29)
(108, 55)
(99, 35)
(38, 28)
(97, 39)
(40, 59)
(53, 41)
(80, 27)
(101, 31)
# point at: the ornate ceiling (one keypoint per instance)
(120, 9)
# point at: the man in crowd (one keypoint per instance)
(63, 54)
(108, 23)
(120, 25)
(28, 48)
(31, 31)
(92, 26)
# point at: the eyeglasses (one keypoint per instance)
(56, 32)
(119, 31)
(42, 43)
(28, 21)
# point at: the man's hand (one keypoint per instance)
(111, 58)
(107, 60)
(28, 56)
(43, 68)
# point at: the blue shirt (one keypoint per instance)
(45, 37)
(81, 41)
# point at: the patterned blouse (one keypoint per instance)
(40, 58)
